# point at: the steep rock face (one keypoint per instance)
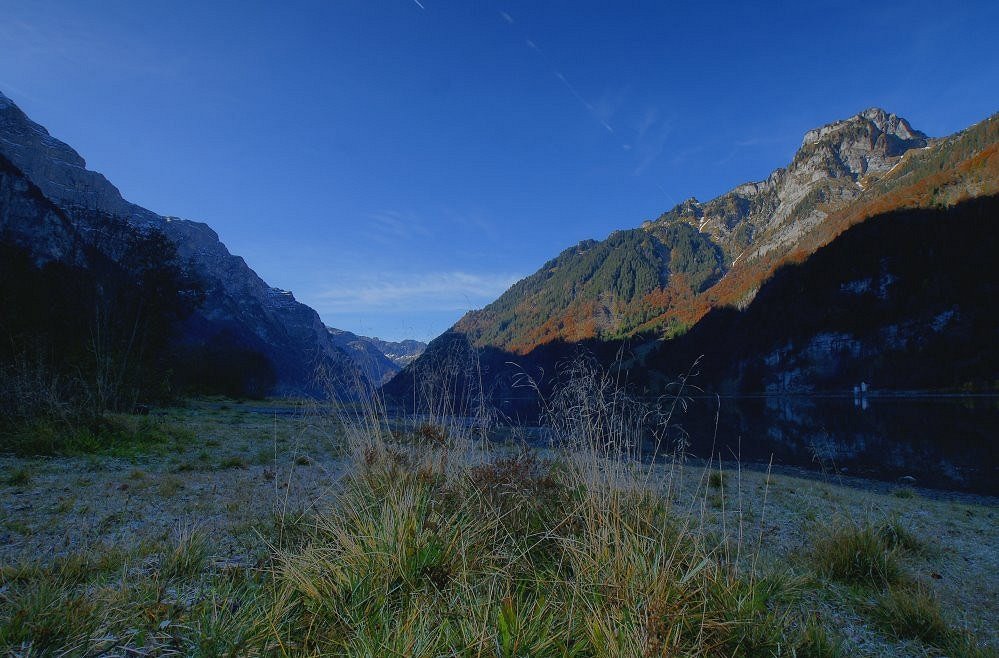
(30, 221)
(238, 301)
(58, 170)
(827, 172)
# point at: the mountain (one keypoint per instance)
(239, 308)
(29, 221)
(378, 359)
(615, 287)
(401, 353)
(900, 301)
(658, 281)
(89, 317)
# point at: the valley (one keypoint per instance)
(605, 418)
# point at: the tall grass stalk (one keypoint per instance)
(437, 544)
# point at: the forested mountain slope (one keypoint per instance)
(642, 288)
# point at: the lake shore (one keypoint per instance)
(243, 479)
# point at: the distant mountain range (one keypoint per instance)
(239, 308)
(639, 288)
(378, 359)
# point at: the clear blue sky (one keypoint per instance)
(396, 163)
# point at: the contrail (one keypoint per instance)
(533, 45)
(668, 196)
(558, 74)
(420, 5)
(572, 90)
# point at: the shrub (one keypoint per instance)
(896, 536)
(715, 480)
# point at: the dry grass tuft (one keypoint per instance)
(856, 554)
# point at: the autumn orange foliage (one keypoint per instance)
(943, 179)
(977, 175)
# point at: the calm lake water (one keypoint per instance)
(943, 442)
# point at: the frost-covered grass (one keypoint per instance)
(432, 542)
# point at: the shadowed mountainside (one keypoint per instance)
(899, 301)
(239, 308)
(643, 287)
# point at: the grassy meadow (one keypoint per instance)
(228, 529)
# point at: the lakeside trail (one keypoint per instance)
(246, 481)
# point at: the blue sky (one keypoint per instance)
(396, 163)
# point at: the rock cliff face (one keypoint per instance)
(59, 171)
(29, 221)
(238, 302)
(829, 170)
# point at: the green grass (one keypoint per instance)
(517, 556)
(19, 477)
(816, 641)
(187, 557)
(440, 550)
(104, 602)
(911, 612)
(170, 485)
(115, 435)
(856, 554)
(896, 535)
(914, 612)
(233, 461)
(433, 545)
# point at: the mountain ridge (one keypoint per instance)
(380, 360)
(657, 281)
(238, 302)
(696, 246)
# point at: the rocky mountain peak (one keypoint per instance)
(379, 359)
(866, 143)
(826, 172)
(874, 122)
(891, 124)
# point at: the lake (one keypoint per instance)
(943, 441)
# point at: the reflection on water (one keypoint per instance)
(947, 442)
